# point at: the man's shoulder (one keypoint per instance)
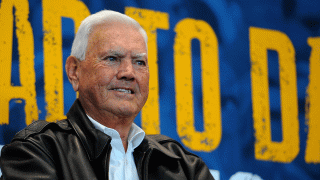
(42, 127)
(190, 162)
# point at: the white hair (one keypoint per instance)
(80, 42)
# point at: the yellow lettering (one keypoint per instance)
(151, 21)
(209, 139)
(265, 149)
(27, 90)
(313, 104)
(53, 10)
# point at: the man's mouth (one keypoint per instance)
(128, 91)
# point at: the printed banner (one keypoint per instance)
(235, 82)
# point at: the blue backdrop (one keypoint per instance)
(234, 157)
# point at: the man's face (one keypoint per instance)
(114, 77)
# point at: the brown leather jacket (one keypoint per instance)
(74, 149)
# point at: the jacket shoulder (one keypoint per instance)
(40, 126)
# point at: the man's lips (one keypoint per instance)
(124, 90)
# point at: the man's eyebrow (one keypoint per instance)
(115, 53)
(138, 55)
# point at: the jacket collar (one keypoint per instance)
(93, 140)
(150, 143)
(157, 146)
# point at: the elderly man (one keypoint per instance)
(108, 66)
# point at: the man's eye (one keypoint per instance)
(111, 58)
(141, 63)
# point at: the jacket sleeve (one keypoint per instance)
(25, 160)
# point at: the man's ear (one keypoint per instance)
(72, 69)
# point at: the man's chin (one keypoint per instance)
(126, 111)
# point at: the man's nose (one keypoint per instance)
(126, 70)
